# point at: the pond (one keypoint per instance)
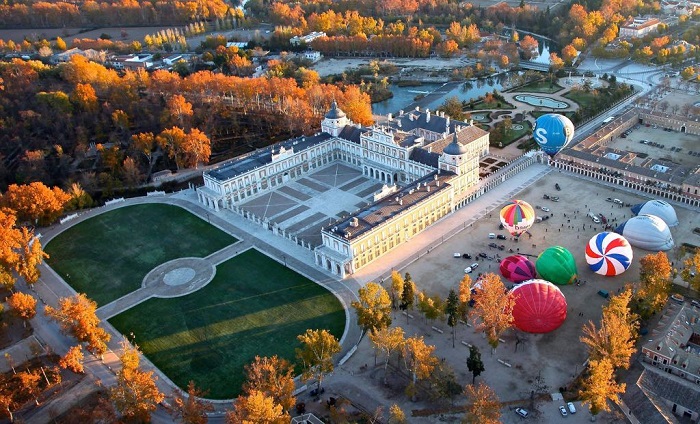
(404, 97)
(547, 102)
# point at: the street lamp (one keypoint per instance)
(284, 258)
(208, 219)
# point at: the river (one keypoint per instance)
(436, 94)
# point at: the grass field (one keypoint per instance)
(108, 256)
(539, 87)
(253, 306)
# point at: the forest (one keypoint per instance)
(81, 122)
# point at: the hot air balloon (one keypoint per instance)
(556, 264)
(648, 232)
(659, 208)
(608, 254)
(517, 216)
(540, 307)
(517, 268)
(553, 132)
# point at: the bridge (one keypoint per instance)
(526, 64)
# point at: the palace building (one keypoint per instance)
(427, 162)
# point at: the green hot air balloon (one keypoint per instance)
(556, 264)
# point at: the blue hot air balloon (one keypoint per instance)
(553, 132)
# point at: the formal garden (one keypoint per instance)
(107, 256)
(253, 306)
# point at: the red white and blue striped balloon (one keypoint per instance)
(608, 254)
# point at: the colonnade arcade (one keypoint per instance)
(380, 174)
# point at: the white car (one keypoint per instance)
(457, 255)
(544, 208)
(467, 270)
(572, 408)
(522, 412)
(562, 410)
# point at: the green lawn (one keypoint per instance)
(254, 306)
(584, 100)
(539, 87)
(108, 256)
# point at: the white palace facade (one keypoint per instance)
(428, 161)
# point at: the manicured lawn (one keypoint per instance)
(584, 100)
(254, 306)
(108, 255)
(539, 87)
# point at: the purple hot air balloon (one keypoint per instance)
(518, 268)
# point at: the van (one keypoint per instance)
(618, 201)
(492, 235)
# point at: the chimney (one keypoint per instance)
(401, 112)
(388, 117)
(417, 108)
(447, 124)
(400, 202)
(428, 188)
(427, 115)
(471, 122)
(354, 222)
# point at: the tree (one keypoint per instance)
(452, 311)
(135, 395)
(474, 363)
(407, 295)
(419, 361)
(493, 306)
(691, 270)
(396, 415)
(256, 408)
(28, 383)
(453, 108)
(568, 54)
(60, 44)
(387, 340)
(316, 354)
(615, 338)
(600, 386)
(396, 288)
(655, 283)
(555, 63)
(23, 305)
(374, 308)
(465, 296)
(36, 202)
(190, 409)
(76, 316)
(483, 405)
(274, 377)
(73, 360)
(188, 149)
(177, 111)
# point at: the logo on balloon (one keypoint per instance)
(541, 135)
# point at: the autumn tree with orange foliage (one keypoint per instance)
(274, 377)
(190, 409)
(419, 361)
(483, 405)
(35, 202)
(257, 408)
(178, 111)
(23, 305)
(73, 360)
(187, 149)
(20, 251)
(136, 395)
(76, 317)
(493, 308)
(600, 386)
(614, 339)
(654, 284)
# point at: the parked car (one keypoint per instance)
(572, 408)
(493, 245)
(466, 256)
(522, 412)
(475, 265)
(483, 255)
(562, 410)
(546, 196)
(544, 208)
(608, 199)
(468, 270)
(492, 235)
(557, 187)
(554, 198)
(501, 237)
(457, 255)
(677, 297)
